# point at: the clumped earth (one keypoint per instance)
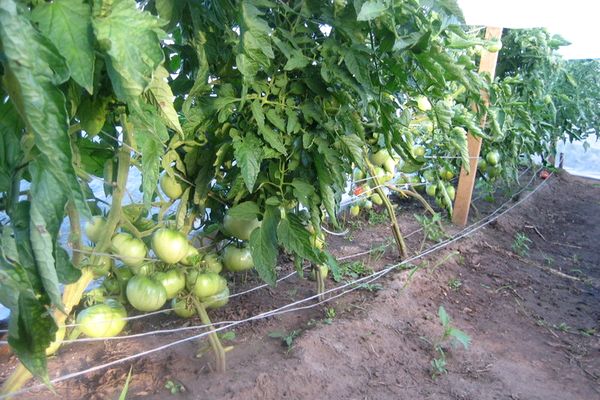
(525, 288)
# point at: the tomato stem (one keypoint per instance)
(215, 342)
(390, 209)
(320, 282)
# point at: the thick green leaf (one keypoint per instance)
(32, 71)
(294, 237)
(371, 9)
(257, 113)
(263, 245)
(354, 147)
(160, 94)
(249, 154)
(303, 191)
(276, 119)
(30, 332)
(274, 139)
(131, 40)
(68, 25)
(10, 146)
(245, 210)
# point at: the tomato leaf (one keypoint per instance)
(274, 118)
(273, 139)
(263, 245)
(245, 210)
(371, 9)
(130, 39)
(33, 69)
(68, 25)
(249, 154)
(257, 113)
(160, 94)
(294, 237)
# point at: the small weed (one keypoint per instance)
(588, 331)
(330, 315)
(287, 338)
(562, 327)
(123, 395)
(375, 218)
(355, 269)
(431, 228)
(454, 284)
(452, 336)
(174, 387)
(371, 287)
(548, 260)
(521, 244)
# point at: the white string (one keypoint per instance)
(285, 309)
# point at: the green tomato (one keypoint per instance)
(430, 189)
(358, 174)
(355, 210)
(211, 263)
(418, 151)
(375, 198)
(145, 269)
(446, 174)
(169, 245)
(493, 46)
(482, 165)
(380, 157)
(95, 228)
(173, 281)
(55, 344)
(240, 228)
(451, 192)
(237, 259)
(145, 293)
(183, 308)
(317, 240)
(192, 256)
(493, 158)
(171, 186)
(217, 300)
(423, 103)
(208, 284)
(130, 250)
(102, 267)
(102, 320)
(368, 204)
(389, 166)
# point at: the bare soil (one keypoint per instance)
(533, 317)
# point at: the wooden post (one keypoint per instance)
(466, 181)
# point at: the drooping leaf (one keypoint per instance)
(249, 154)
(32, 72)
(294, 237)
(68, 25)
(263, 245)
(131, 40)
(160, 94)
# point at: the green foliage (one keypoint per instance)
(520, 244)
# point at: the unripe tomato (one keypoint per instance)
(211, 263)
(102, 267)
(446, 174)
(130, 250)
(493, 158)
(358, 174)
(380, 157)
(355, 210)
(171, 186)
(375, 198)
(169, 245)
(418, 151)
(145, 293)
(192, 256)
(217, 300)
(55, 344)
(431, 190)
(482, 165)
(237, 259)
(423, 103)
(102, 320)
(172, 280)
(451, 192)
(368, 204)
(389, 166)
(145, 269)
(182, 308)
(317, 240)
(494, 46)
(240, 228)
(95, 228)
(208, 284)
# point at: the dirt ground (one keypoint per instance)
(533, 319)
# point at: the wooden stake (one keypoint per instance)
(466, 181)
